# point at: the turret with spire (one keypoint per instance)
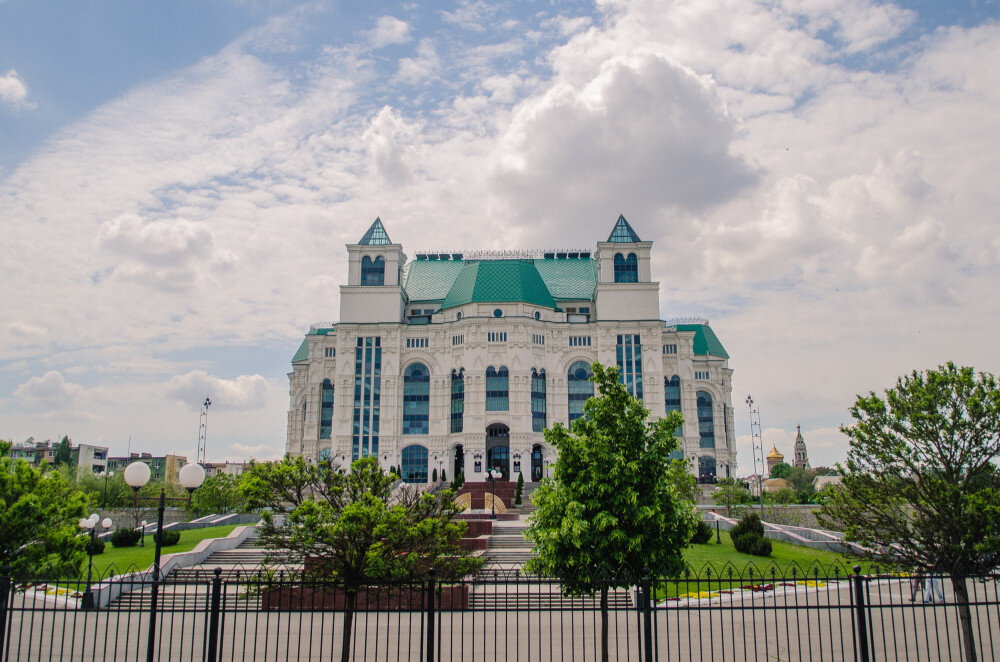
(801, 456)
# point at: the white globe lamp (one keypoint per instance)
(191, 477)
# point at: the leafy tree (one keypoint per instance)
(64, 453)
(921, 486)
(219, 494)
(686, 485)
(39, 512)
(781, 470)
(825, 471)
(518, 488)
(610, 506)
(434, 476)
(354, 528)
(116, 495)
(801, 479)
(731, 495)
(782, 497)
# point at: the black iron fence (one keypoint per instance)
(503, 615)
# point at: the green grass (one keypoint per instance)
(120, 560)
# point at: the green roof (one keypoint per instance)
(376, 235)
(499, 281)
(303, 351)
(705, 340)
(623, 233)
(531, 281)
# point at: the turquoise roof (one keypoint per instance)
(303, 352)
(623, 232)
(705, 340)
(542, 282)
(499, 281)
(376, 235)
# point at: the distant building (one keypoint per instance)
(773, 458)
(88, 456)
(801, 456)
(819, 482)
(162, 467)
(775, 484)
(228, 468)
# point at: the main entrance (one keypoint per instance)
(498, 449)
(536, 463)
(459, 462)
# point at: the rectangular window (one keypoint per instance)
(457, 400)
(416, 342)
(458, 340)
(629, 355)
(329, 352)
(497, 395)
(579, 341)
(701, 374)
(367, 397)
(537, 339)
(670, 349)
(496, 336)
(537, 401)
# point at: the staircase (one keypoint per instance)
(508, 547)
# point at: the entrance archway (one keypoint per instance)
(459, 461)
(536, 463)
(498, 449)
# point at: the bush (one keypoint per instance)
(751, 543)
(168, 537)
(749, 523)
(458, 482)
(95, 546)
(434, 476)
(702, 533)
(444, 475)
(518, 488)
(125, 537)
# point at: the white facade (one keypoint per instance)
(457, 318)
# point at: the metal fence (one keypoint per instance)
(504, 615)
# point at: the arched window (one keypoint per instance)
(672, 402)
(497, 396)
(580, 389)
(706, 421)
(626, 268)
(537, 400)
(416, 398)
(497, 312)
(373, 271)
(325, 410)
(457, 400)
(706, 469)
(414, 466)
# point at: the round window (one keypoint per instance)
(538, 315)
(497, 313)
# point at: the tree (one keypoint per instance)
(354, 528)
(825, 471)
(921, 487)
(518, 488)
(219, 494)
(801, 479)
(731, 495)
(680, 476)
(64, 453)
(39, 515)
(781, 470)
(610, 509)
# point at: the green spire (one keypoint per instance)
(376, 235)
(623, 233)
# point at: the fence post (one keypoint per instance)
(861, 621)
(5, 585)
(212, 649)
(647, 615)
(430, 615)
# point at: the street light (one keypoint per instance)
(107, 474)
(90, 526)
(136, 476)
(142, 542)
(493, 474)
(191, 477)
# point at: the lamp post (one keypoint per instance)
(718, 535)
(191, 477)
(104, 501)
(493, 474)
(90, 526)
(516, 457)
(137, 474)
(142, 541)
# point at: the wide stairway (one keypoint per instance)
(508, 548)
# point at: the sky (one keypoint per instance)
(178, 181)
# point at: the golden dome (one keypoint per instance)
(775, 454)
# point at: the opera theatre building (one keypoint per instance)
(457, 362)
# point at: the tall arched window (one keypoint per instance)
(414, 465)
(325, 410)
(580, 389)
(537, 400)
(672, 402)
(626, 268)
(706, 421)
(373, 271)
(457, 400)
(416, 398)
(497, 386)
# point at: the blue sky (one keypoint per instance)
(178, 181)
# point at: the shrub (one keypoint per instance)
(518, 488)
(125, 537)
(751, 543)
(167, 538)
(702, 533)
(95, 546)
(749, 523)
(444, 475)
(434, 476)
(458, 482)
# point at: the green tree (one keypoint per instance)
(731, 495)
(921, 486)
(685, 484)
(825, 471)
(354, 528)
(518, 488)
(104, 492)
(64, 453)
(219, 494)
(610, 506)
(801, 479)
(39, 515)
(781, 470)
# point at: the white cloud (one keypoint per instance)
(389, 30)
(49, 390)
(246, 392)
(13, 91)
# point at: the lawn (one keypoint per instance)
(120, 560)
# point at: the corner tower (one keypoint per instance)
(374, 291)
(624, 288)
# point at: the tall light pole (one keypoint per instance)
(90, 526)
(758, 450)
(203, 430)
